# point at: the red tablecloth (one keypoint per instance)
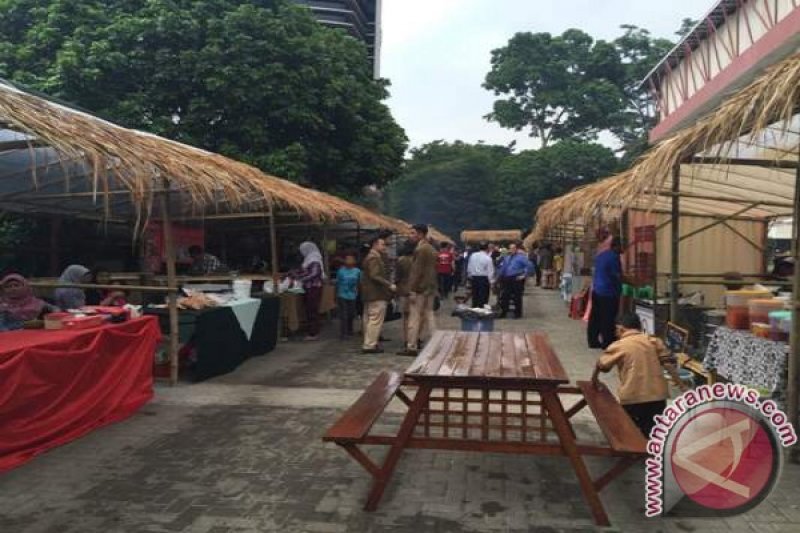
(56, 386)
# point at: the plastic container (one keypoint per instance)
(780, 323)
(55, 321)
(760, 329)
(242, 288)
(737, 310)
(477, 326)
(761, 308)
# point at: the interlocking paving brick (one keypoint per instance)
(242, 454)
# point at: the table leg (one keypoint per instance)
(396, 450)
(565, 435)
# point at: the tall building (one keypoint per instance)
(361, 18)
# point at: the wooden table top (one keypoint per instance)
(482, 358)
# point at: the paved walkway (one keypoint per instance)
(242, 454)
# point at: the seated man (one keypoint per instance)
(204, 263)
(639, 360)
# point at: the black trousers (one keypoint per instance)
(538, 273)
(445, 285)
(480, 291)
(347, 312)
(601, 332)
(512, 292)
(642, 414)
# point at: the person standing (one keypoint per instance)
(546, 265)
(348, 277)
(533, 257)
(606, 291)
(458, 274)
(311, 275)
(422, 286)
(401, 278)
(512, 275)
(480, 271)
(376, 291)
(445, 269)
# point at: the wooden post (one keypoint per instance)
(273, 245)
(172, 285)
(676, 243)
(793, 393)
(325, 260)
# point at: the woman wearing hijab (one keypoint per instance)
(17, 302)
(71, 297)
(311, 276)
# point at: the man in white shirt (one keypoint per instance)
(480, 272)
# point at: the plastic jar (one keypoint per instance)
(760, 309)
(737, 309)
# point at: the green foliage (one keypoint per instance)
(461, 186)
(571, 87)
(258, 81)
(561, 87)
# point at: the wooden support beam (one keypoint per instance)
(744, 237)
(793, 392)
(675, 244)
(717, 222)
(767, 163)
(728, 199)
(172, 286)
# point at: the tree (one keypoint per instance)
(448, 185)
(687, 25)
(525, 180)
(461, 186)
(261, 81)
(562, 87)
(638, 52)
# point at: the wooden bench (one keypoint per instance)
(620, 431)
(353, 426)
(355, 423)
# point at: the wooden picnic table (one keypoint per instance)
(489, 392)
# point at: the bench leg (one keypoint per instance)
(565, 435)
(362, 458)
(406, 431)
(616, 471)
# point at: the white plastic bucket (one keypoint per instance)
(242, 288)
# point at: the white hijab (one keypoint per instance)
(311, 254)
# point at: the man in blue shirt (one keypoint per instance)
(347, 280)
(513, 271)
(606, 290)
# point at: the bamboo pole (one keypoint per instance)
(172, 287)
(793, 382)
(273, 245)
(676, 244)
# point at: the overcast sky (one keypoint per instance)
(436, 53)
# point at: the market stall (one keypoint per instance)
(67, 163)
(60, 385)
(708, 194)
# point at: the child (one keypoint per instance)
(347, 279)
(639, 358)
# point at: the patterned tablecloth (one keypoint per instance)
(741, 357)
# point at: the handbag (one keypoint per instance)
(393, 311)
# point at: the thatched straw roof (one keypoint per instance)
(741, 153)
(495, 236)
(74, 156)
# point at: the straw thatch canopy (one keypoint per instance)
(55, 159)
(438, 236)
(477, 236)
(739, 160)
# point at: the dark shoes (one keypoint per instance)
(372, 350)
(408, 353)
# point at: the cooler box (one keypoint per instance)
(477, 326)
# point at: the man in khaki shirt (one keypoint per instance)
(640, 361)
(376, 291)
(423, 284)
